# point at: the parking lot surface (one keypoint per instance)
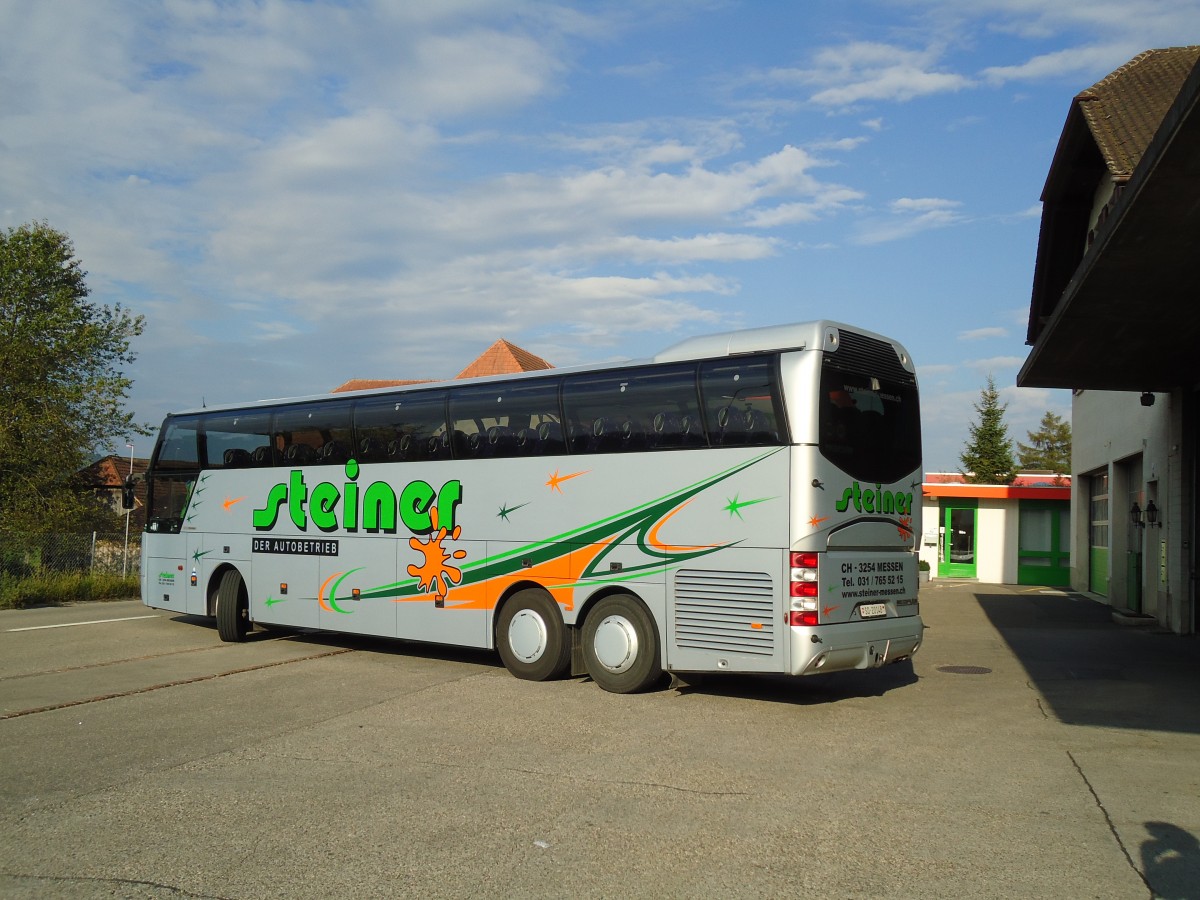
(1033, 749)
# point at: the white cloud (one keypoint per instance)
(910, 216)
(994, 364)
(862, 71)
(979, 334)
(1061, 63)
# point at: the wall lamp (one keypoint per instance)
(1151, 515)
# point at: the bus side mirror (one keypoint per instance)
(127, 492)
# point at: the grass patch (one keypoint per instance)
(58, 588)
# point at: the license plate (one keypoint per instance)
(872, 610)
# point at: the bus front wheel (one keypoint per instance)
(233, 607)
(530, 635)
(620, 645)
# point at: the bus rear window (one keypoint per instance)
(870, 427)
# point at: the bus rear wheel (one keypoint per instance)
(233, 607)
(620, 645)
(530, 635)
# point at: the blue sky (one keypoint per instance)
(296, 194)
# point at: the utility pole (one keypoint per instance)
(125, 555)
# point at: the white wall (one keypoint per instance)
(996, 535)
(1111, 431)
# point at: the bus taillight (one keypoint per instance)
(804, 588)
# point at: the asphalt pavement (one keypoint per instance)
(1033, 749)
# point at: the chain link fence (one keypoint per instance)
(96, 553)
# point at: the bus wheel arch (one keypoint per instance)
(621, 645)
(229, 602)
(531, 637)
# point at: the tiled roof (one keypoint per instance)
(1124, 109)
(503, 358)
(366, 384)
(111, 471)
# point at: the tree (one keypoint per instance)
(62, 386)
(987, 457)
(1049, 447)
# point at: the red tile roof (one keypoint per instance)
(502, 358)
(367, 384)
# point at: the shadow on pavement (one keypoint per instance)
(1092, 671)
(812, 691)
(1171, 861)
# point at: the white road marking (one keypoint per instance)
(72, 624)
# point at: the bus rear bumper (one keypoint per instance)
(854, 645)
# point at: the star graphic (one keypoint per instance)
(735, 506)
(556, 480)
(505, 509)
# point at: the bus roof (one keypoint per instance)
(794, 336)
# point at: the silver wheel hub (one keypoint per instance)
(527, 636)
(615, 644)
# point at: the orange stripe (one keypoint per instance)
(653, 541)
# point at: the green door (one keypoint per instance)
(1098, 535)
(959, 526)
(1044, 543)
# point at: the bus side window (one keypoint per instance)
(401, 427)
(237, 440)
(506, 420)
(654, 408)
(312, 433)
(741, 401)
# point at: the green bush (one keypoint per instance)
(57, 588)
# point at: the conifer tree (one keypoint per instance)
(1049, 447)
(987, 457)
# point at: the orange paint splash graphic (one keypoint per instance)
(436, 574)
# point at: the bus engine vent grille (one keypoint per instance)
(867, 356)
(732, 612)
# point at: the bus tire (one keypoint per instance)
(531, 638)
(620, 645)
(233, 607)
